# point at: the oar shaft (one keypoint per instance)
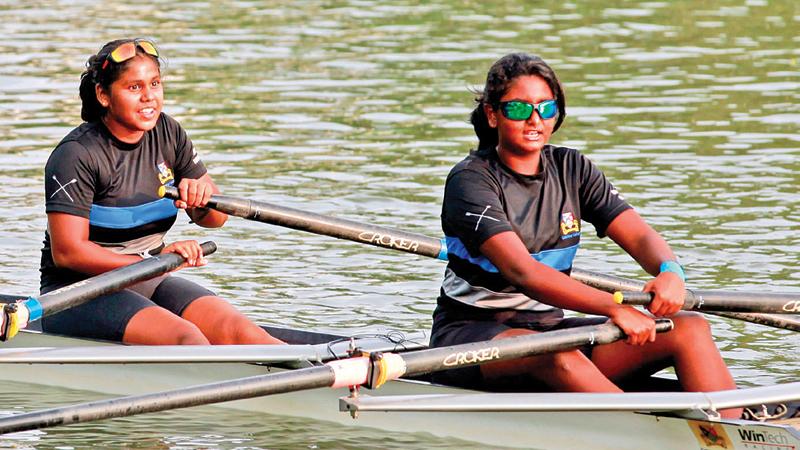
(325, 225)
(607, 283)
(732, 302)
(610, 283)
(290, 381)
(415, 243)
(355, 371)
(463, 355)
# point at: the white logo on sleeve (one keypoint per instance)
(481, 216)
(63, 187)
(195, 156)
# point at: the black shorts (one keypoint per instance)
(106, 317)
(451, 328)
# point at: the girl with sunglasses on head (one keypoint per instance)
(512, 216)
(103, 210)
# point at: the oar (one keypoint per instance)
(731, 302)
(610, 283)
(18, 315)
(373, 371)
(325, 225)
(408, 242)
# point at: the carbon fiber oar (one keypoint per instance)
(17, 315)
(610, 283)
(413, 243)
(730, 302)
(372, 371)
(325, 225)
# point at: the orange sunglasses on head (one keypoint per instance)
(127, 51)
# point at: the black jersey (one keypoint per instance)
(483, 197)
(114, 184)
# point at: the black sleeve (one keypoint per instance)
(600, 201)
(473, 209)
(69, 180)
(187, 161)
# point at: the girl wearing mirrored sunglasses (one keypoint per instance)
(512, 216)
(103, 210)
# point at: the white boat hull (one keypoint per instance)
(542, 430)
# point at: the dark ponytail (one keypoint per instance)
(500, 76)
(91, 109)
(487, 136)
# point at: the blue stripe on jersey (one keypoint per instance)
(557, 258)
(124, 217)
(456, 247)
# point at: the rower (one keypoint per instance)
(103, 212)
(512, 216)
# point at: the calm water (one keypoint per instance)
(359, 108)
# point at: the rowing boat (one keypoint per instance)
(292, 380)
(665, 420)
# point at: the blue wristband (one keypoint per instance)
(674, 267)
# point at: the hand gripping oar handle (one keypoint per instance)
(611, 283)
(731, 301)
(325, 225)
(85, 290)
(345, 372)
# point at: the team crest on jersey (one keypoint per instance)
(570, 227)
(164, 173)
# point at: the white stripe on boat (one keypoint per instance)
(564, 430)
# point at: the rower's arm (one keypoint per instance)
(72, 249)
(649, 249)
(640, 240)
(508, 253)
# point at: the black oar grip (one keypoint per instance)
(208, 247)
(691, 301)
(170, 192)
(633, 297)
(644, 298)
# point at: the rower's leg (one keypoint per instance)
(562, 371)
(157, 326)
(221, 323)
(689, 347)
(125, 316)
